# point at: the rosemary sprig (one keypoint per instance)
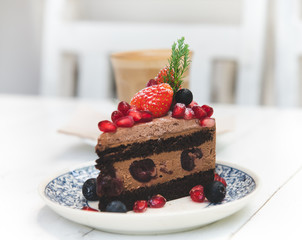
(178, 63)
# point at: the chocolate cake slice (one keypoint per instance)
(166, 156)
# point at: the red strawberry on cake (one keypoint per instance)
(157, 99)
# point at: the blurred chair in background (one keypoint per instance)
(77, 48)
(288, 52)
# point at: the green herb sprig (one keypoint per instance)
(178, 63)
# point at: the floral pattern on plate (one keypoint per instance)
(66, 189)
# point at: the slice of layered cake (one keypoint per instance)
(161, 144)
(166, 156)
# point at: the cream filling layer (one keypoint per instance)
(168, 166)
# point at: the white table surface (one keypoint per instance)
(268, 141)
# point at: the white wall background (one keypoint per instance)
(20, 44)
(21, 24)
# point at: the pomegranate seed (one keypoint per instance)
(116, 115)
(151, 83)
(126, 121)
(107, 126)
(123, 107)
(86, 208)
(220, 179)
(197, 194)
(147, 116)
(137, 116)
(199, 112)
(209, 110)
(192, 104)
(197, 187)
(189, 114)
(207, 122)
(157, 201)
(179, 110)
(140, 206)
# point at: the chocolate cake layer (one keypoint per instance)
(154, 146)
(170, 190)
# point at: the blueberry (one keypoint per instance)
(143, 170)
(215, 192)
(89, 189)
(184, 95)
(116, 206)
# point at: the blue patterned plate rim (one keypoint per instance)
(65, 189)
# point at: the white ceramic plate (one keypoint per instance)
(63, 193)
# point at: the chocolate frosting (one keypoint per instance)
(158, 128)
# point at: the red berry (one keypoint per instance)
(207, 122)
(140, 206)
(156, 99)
(199, 112)
(192, 104)
(179, 110)
(126, 121)
(209, 110)
(86, 208)
(123, 107)
(197, 187)
(220, 179)
(189, 114)
(197, 194)
(147, 116)
(107, 126)
(137, 115)
(116, 115)
(157, 201)
(151, 83)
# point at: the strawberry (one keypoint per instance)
(157, 99)
(151, 82)
(162, 77)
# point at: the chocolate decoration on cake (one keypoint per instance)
(108, 186)
(188, 158)
(143, 170)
